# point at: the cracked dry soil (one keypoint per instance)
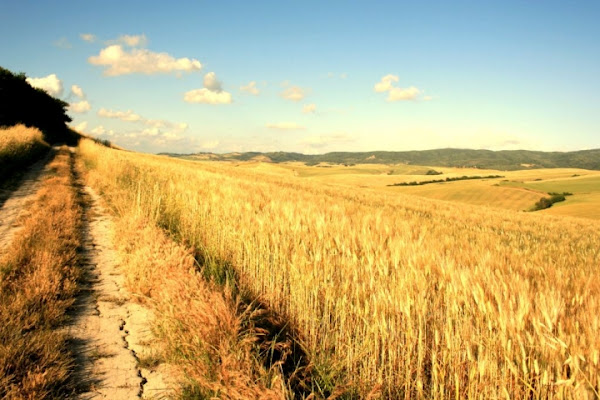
(109, 332)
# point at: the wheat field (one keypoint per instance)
(394, 296)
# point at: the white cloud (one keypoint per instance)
(427, 98)
(309, 108)
(211, 93)
(250, 88)
(207, 97)
(132, 40)
(159, 123)
(128, 115)
(212, 83)
(77, 91)
(288, 126)
(121, 62)
(50, 84)
(294, 93)
(386, 83)
(151, 132)
(396, 94)
(81, 127)
(100, 130)
(156, 126)
(88, 37)
(80, 107)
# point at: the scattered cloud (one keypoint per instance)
(321, 141)
(131, 40)
(88, 37)
(386, 84)
(80, 107)
(207, 97)
(153, 139)
(50, 84)
(212, 83)
(211, 93)
(101, 131)
(77, 91)
(118, 61)
(159, 123)
(427, 98)
(309, 108)
(287, 126)
(396, 94)
(81, 127)
(62, 43)
(250, 88)
(128, 116)
(156, 127)
(293, 93)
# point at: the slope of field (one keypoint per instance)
(514, 190)
(397, 295)
(486, 159)
(585, 189)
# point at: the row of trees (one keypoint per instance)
(22, 103)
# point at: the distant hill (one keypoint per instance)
(484, 159)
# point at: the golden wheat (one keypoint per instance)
(424, 299)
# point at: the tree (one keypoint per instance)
(21, 103)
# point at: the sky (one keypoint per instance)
(315, 76)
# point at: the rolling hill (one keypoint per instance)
(484, 159)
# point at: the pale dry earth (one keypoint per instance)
(109, 332)
(14, 204)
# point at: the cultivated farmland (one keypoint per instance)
(391, 294)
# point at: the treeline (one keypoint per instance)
(448, 179)
(20, 103)
(508, 160)
(547, 202)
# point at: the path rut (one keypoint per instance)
(108, 330)
(14, 204)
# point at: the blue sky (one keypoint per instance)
(316, 76)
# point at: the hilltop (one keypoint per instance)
(484, 159)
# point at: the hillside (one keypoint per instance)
(484, 159)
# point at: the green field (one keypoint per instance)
(585, 201)
(516, 190)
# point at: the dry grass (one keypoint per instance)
(38, 274)
(420, 298)
(197, 325)
(19, 146)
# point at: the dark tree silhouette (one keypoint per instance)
(21, 103)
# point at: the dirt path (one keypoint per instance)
(109, 332)
(14, 204)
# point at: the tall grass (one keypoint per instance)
(38, 274)
(19, 146)
(419, 298)
(198, 329)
